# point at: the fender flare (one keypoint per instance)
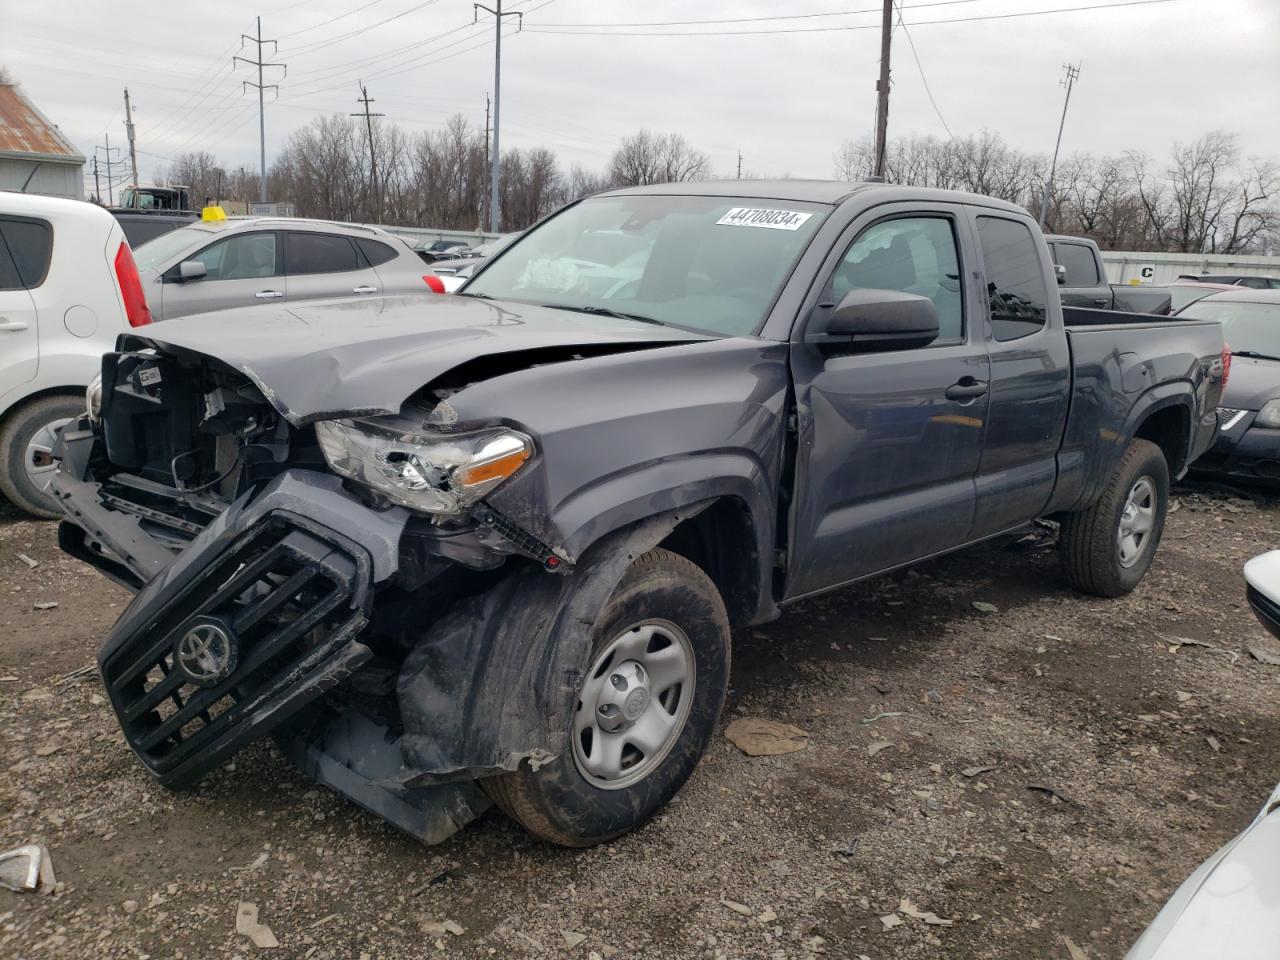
(493, 684)
(1178, 393)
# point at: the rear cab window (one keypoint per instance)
(29, 245)
(1016, 291)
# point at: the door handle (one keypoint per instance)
(268, 294)
(11, 326)
(967, 389)
(1102, 302)
(364, 289)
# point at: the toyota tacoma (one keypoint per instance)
(452, 551)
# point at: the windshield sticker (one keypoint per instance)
(760, 217)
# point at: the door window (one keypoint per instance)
(30, 244)
(911, 255)
(1015, 278)
(243, 257)
(1082, 269)
(321, 253)
(9, 279)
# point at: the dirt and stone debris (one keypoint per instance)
(845, 848)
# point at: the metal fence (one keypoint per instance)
(414, 234)
(1124, 266)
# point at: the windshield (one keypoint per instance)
(712, 264)
(1179, 297)
(152, 254)
(1248, 327)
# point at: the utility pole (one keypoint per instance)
(107, 150)
(373, 159)
(133, 153)
(1072, 74)
(97, 186)
(739, 164)
(484, 199)
(244, 84)
(495, 159)
(882, 89)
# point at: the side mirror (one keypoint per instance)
(189, 270)
(1060, 272)
(882, 320)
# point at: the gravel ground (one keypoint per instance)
(929, 720)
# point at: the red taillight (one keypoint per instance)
(135, 301)
(1226, 363)
(434, 282)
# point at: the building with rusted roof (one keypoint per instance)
(34, 155)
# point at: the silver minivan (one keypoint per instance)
(218, 264)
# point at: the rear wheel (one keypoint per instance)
(26, 447)
(1108, 548)
(654, 684)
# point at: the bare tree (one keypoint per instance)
(648, 157)
(203, 174)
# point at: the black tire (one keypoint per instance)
(16, 432)
(557, 802)
(1089, 543)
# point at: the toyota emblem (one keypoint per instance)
(206, 653)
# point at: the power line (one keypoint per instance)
(786, 16)
(923, 79)
(843, 27)
(325, 23)
(321, 44)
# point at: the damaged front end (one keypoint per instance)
(340, 584)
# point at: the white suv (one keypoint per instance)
(68, 287)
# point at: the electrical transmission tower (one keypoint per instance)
(108, 149)
(373, 158)
(1068, 80)
(262, 123)
(495, 158)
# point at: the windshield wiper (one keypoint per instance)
(1253, 353)
(605, 312)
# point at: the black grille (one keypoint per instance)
(289, 598)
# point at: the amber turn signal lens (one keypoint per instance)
(497, 469)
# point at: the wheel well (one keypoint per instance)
(69, 391)
(722, 541)
(1168, 428)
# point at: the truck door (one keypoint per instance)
(1030, 376)
(25, 247)
(1083, 285)
(888, 443)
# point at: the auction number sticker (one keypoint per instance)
(762, 217)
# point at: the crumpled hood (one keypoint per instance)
(324, 359)
(1252, 383)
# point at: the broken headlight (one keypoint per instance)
(433, 473)
(93, 398)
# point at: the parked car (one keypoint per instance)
(432, 250)
(1183, 292)
(68, 287)
(222, 263)
(457, 271)
(1236, 280)
(1226, 907)
(1082, 280)
(488, 547)
(141, 226)
(1248, 443)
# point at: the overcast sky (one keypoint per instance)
(1150, 74)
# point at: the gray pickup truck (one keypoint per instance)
(489, 547)
(1082, 280)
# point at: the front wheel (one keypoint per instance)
(653, 688)
(1108, 548)
(26, 447)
